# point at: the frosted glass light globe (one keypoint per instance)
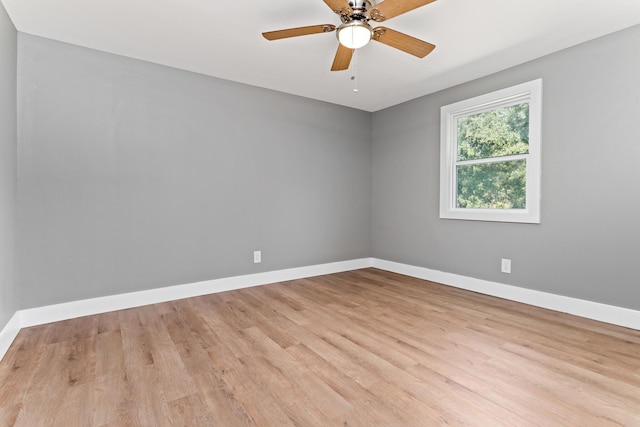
(354, 34)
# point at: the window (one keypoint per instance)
(490, 156)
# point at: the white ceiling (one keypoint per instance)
(223, 39)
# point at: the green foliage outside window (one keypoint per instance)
(499, 183)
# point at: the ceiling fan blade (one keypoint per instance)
(402, 41)
(343, 58)
(300, 31)
(341, 7)
(391, 8)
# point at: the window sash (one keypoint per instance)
(492, 189)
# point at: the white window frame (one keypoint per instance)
(449, 114)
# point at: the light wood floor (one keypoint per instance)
(362, 348)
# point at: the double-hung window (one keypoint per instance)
(490, 156)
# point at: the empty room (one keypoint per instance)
(327, 213)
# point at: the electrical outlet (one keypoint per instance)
(257, 257)
(505, 266)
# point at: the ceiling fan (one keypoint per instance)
(355, 31)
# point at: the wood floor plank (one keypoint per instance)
(358, 348)
(190, 411)
(112, 388)
(248, 384)
(50, 375)
(307, 389)
(16, 376)
(222, 404)
(366, 408)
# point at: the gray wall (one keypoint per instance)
(588, 243)
(8, 165)
(136, 176)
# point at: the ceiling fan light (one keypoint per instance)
(354, 34)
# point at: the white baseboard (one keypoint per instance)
(9, 333)
(57, 312)
(53, 313)
(70, 310)
(588, 309)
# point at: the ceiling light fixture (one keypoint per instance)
(354, 34)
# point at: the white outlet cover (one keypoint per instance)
(505, 265)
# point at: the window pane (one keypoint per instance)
(500, 132)
(496, 185)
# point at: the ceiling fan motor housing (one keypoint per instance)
(358, 11)
(359, 4)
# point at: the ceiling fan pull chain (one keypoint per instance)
(355, 71)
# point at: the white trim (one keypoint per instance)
(449, 114)
(588, 309)
(53, 313)
(9, 333)
(70, 310)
